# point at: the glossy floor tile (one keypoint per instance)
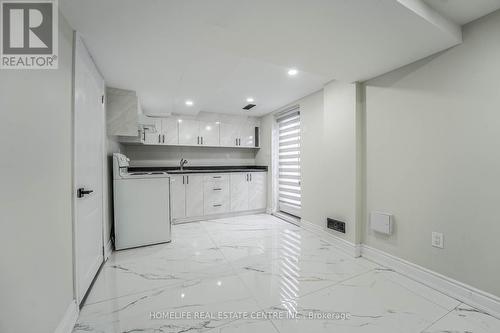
(258, 273)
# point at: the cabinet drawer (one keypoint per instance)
(216, 178)
(216, 208)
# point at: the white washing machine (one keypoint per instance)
(141, 206)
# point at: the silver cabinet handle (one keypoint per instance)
(239, 142)
(144, 135)
(218, 205)
(217, 177)
(159, 138)
(250, 177)
(247, 176)
(235, 142)
(187, 182)
(217, 189)
(163, 138)
(182, 179)
(201, 140)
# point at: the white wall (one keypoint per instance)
(433, 157)
(149, 155)
(339, 155)
(36, 279)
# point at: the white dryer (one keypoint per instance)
(141, 206)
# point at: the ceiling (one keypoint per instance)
(219, 52)
(464, 11)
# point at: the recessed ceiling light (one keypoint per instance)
(292, 71)
(250, 100)
(189, 102)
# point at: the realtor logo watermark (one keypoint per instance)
(29, 34)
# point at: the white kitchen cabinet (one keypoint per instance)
(122, 112)
(170, 131)
(248, 191)
(247, 135)
(178, 196)
(165, 132)
(194, 195)
(217, 194)
(239, 192)
(257, 190)
(198, 133)
(229, 135)
(151, 138)
(189, 132)
(209, 133)
(237, 135)
(186, 196)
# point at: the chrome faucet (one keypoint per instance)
(182, 163)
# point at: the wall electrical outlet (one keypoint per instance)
(437, 240)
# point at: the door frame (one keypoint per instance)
(77, 297)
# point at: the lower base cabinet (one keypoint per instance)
(186, 196)
(217, 195)
(197, 195)
(248, 191)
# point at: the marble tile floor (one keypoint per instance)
(258, 273)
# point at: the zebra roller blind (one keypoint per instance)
(289, 162)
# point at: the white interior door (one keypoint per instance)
(88, 168)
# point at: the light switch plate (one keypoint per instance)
(437, 240)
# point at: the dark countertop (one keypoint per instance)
(202, 169)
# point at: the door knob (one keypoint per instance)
(81, 192)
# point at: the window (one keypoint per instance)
(289, 162)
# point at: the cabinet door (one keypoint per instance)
(257, 198)
(229, 133)
(194, 195)
(170, 131)
(247, 135)
(189, 132)
(239, 191)
(152, 138)
(178, 196)
(209, 132)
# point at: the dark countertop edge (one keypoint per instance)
(203, 169)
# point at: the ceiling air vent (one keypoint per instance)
(248, 107)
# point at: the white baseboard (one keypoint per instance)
(218, 216)
(352, 249)
(448, 286)
(108, 249)
(69, 320)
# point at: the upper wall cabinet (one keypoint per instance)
(122, 110)
(206, 131)
(165, 132)
(238, 135)
(198, 133)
